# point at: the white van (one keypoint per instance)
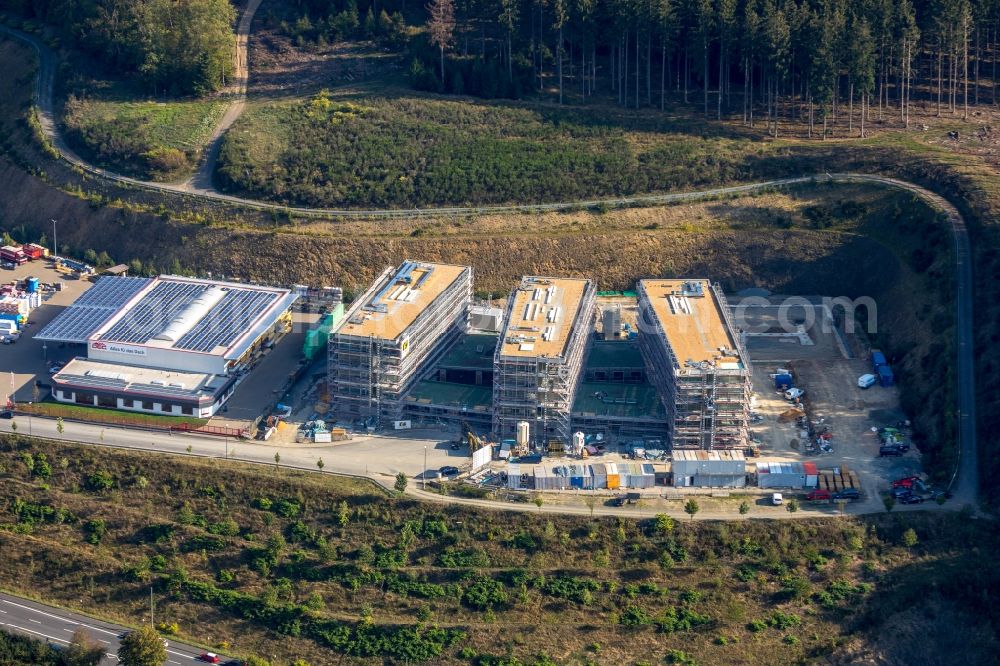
(866, 381)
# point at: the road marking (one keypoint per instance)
(30, 631)
(57, 617)
(31, 619)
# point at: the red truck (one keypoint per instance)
(12, 254)
(33, 251)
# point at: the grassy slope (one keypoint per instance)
(414, 151)
(158, 140)
(565, 586)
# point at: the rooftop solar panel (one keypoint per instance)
(154, 312)
(227, 321)
(79, 321)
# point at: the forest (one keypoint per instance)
(759, 59)
(178, 47)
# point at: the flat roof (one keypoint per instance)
(705, 456)
(618, 400)
(446, 394)
(395, 301)
(95, 375)
(473, 350)
(540, 321)
(692, 319)
(95, 306)
(194, 315)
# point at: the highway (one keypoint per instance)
(56, 626)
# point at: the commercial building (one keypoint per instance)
(393, 334)
(696, 359)
(539, 359)
(709, 469)
(168, 344)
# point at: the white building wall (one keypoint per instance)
(152, 357)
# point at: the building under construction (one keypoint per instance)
(697, 361)
(392, 334)
(539, 359)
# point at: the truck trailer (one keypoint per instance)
(14, 255)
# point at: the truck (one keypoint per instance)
(33, 251)
(14, 255)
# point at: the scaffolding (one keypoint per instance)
(706, 396)
(536, 377)
(381, 350)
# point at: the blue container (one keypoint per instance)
(32, 285)
(878, 359)
(885, 376)
(576, 482)
(783, 382)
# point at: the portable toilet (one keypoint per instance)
(32, 285)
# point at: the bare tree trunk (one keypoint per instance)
(863, 96)
(559, 63)
(637, 68)
(939, 90)
(965, 69)
(663, 76)
(850, 110)
(718, 110)
(649, 69)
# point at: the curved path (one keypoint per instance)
(201, 181)
(966, 472)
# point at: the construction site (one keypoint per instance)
(538, 363)
(697, 363)
(392, 334)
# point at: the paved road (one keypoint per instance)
(57, 626)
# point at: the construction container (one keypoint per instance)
(614, 480)
(878, 359)
(783, 475)
(709, 469)
(514, 476)
(783, 382)
(812, 474)
(885, 376)
(599, 472)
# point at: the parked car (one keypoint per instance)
(8, 265)
(449, 470)
(6, 414)
(794, 393)
(819, 494)
(55, 367)
(900, 493)
(847, 494)
(617, 500)
(888, 451)
(209, 657)
(867, 381)
(777, 499)
(455, 445)
(911, 499)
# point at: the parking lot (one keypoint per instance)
(828, 370)
(29, 359)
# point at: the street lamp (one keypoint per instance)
(423, 477)
(55, 244)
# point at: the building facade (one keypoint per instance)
(393, 334)
(696, 359)
(538, 364)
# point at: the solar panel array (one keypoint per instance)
(93, 308)
(107, 383)
(227, 320)
(154, 312)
